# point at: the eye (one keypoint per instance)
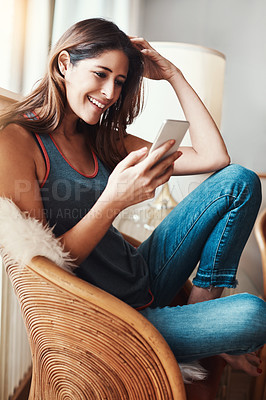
(100, 74)
(119, 83)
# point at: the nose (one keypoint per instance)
(108, 90)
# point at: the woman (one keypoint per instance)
(71, 163)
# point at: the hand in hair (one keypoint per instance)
(155, 65)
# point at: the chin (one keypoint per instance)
(91, 121)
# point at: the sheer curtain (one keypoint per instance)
(125, 13)
(25, 34)
(6, 18)
(38, 32)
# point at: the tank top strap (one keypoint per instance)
(54, 157)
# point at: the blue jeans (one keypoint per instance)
(210, 227)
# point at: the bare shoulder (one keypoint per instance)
(16, 150)
(17, 147)
(18, 173)
(17, 137)
(17, 161)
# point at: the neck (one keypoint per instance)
(68, 126)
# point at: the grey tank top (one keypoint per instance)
(114, 265)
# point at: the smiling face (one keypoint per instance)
(93, 84)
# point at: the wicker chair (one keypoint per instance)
(87, 344)
(260, 234)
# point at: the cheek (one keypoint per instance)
(71, 95)
(74, 100)
(74, 90)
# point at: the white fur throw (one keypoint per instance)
(23, 237)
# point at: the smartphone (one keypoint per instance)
(170, 129)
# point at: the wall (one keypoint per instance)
(238, 30)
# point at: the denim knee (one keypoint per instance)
(248, 178)
(250, 318)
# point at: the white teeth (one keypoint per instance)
(96, 102)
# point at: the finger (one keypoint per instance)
(150, 53)
(133, 158)
(159, 169)
(156, 155)
(162, 172)
(164, 177)
(141, 42)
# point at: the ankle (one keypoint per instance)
(199, 294)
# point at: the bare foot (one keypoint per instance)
(249, 363)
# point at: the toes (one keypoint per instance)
(253, 359)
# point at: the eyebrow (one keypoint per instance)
(108, 69)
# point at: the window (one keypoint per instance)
(6, 33)
(25, 27)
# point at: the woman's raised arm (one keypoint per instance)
(208, 152)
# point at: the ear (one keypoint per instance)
(63, 62)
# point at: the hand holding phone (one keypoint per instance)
(170, 129)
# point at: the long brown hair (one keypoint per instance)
(85, 39)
